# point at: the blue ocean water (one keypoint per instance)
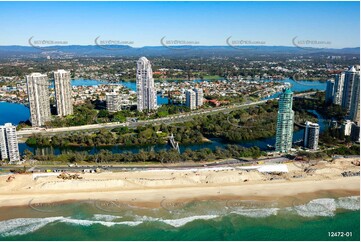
(207, 220)
(86, 221)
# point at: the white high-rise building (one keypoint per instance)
(338, 89)
(64, 102)
(146, 93)
(191, 101)
(38, 93)
(355, 102)
(199, 96)
(114, 103)
(9, 147)
(311, 135)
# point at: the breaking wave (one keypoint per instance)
(327, 206)
(316, 207)
(106, 217)
(257, 212)
(21, 226)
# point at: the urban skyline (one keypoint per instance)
(180, 121)
(345, 91)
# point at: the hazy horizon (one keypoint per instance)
(84, 45)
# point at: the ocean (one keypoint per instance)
(197, 220)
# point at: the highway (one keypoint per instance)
(168, 120)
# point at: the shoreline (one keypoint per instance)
(151, 186)
(166, 207)
(284, 192)
(147, 199)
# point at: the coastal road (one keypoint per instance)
(104, 166)
(168, 120)
(226, 163)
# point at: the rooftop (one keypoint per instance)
(288, 91)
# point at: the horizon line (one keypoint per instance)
(175, 46)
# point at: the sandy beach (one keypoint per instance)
(149, 188)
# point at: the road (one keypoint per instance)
(168, 120)
(230, 162)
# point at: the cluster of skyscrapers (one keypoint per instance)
(146, 93)
(345, 91)
(39, 97)
(285, 121)
(9, 148)
(40, 113)
(194, 98)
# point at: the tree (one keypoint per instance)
(143, 156)
(28, 154)
(119, 117)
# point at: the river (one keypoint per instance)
(15, 113)
(215, 142)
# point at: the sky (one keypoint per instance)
(204, 23)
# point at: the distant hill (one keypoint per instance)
(157, 51)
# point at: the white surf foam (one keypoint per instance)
(327, 206)
(106, 217)
(21, 226)
(256, 212)
(182, 221)
(349, 203)
(84, 222)
(177, 222)
(317, 207)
